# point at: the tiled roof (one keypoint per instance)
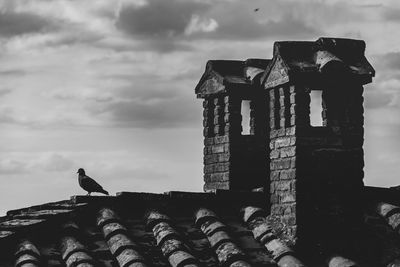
(135, 229)
(176, 229)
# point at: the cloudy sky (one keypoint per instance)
(109, 86)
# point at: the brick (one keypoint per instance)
(293, 185)
(207, 150)
(293, 162)
(281, 91)
(219, 130)
(208, 141)
(284, 185)
(217, 177)
(223, 157)
(293, 98)
(272, 94)
(207, 132)
(282, 101)
(216, 167)
(218, 148)
(218, 119)
(291, 130)
(226, 99)
(280, 164)
(215, 158)
(274, 154)
(282, 142)
(281, 132)
(221, 139)
(272, 124)
(293, 141)
(287, 198)
(272, 187)
(288, 151)
(273, 134)
(288, 174)
(272, 144)
(226, 147)
(216, 185)
(218, 110)
(209, 159)
(274, 175)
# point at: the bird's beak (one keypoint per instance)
(77, 172)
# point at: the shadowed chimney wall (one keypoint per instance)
(317, 172)
(232, 160)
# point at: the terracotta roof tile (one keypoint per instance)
(171, 229)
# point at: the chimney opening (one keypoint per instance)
(245, 112)
(316, 109)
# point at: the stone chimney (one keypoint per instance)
(317, 172)
(234, 160)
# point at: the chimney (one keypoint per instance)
(234, 160)
(317, 173)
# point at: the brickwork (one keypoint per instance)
(219, 113)
(314, 175)
(316, 172)
(232, 160)
(285, 116)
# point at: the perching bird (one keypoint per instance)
(89, 184)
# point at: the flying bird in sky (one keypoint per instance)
(88, 184)
(256, 9)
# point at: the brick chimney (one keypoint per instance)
(233, 160)
(317, 172)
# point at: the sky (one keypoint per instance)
(109, 86)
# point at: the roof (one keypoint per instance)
(307, 61)
(222, 228)
(222, 76)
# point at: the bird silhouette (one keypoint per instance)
(256, 9)
(88, 184)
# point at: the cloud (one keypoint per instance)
(198, 24)
(12, 24)
(151, 114)
(391, 14)
(12, 166)
(165, 19)
(249, 28)
(56, 163)
(173, 25)
(12, 72)
(5, 91)
(19, 163)
(387, 62)
(384, 90)
(377, 99)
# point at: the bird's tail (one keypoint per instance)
(104, 192)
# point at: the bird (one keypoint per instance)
(256, 9)
(88, 184)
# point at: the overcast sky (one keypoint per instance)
(109, 86)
